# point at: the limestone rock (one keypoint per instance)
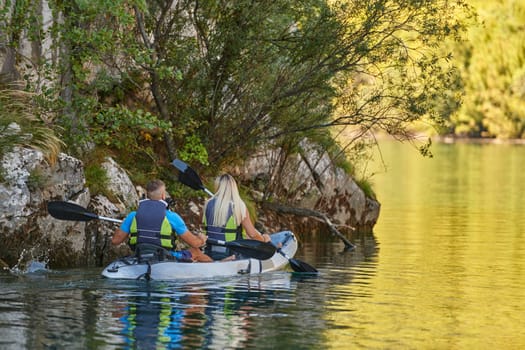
(29, 182)
(311, 180)
(120, 184)
(99, 232)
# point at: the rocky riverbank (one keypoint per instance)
(29, 181)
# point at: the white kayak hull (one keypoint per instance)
(130, 268)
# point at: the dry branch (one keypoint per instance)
(284, 209)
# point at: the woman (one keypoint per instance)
(226, 218)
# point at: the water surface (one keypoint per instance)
(444, 269)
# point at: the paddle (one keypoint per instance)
(298, 265)
(190, 178)
(74, 212)
(249, 247)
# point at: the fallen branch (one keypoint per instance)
(284, 209)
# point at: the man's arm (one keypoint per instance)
(195, 241)
(119, 236)
(122, 233)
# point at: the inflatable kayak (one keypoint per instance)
(131, 267)
(260, 256)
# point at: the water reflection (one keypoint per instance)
(450, 270)
(79, 309)
(152, 319)
(211, 314)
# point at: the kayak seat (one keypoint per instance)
(146, 252)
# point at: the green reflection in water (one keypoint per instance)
(450, 268)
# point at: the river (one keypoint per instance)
(444, 269)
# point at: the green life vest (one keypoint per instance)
(151, 226)
(227, 233)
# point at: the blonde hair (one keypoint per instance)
(226, 197)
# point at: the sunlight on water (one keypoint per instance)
(450, 269)
(444, 269)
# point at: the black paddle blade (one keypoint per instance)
(301, 266)
(187, 175)
(252, 248)
(69, 211)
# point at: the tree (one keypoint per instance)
(234, 76)
(245, 74)
(492, 67)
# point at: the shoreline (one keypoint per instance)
(477, 140)
(451, 139)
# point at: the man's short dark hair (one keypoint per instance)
(154, 185)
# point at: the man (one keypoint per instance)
(153, 223)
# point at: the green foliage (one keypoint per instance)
(402, 72)
(194, 150)
(492, 67)
(97, 179)
(225, 79)
(126, 129)
(36, 179)
(367, 187)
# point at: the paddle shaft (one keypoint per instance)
(109, 219)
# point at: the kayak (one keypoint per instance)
(159, 264)
(131, 267)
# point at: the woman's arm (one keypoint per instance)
(252, 232)
(195, 242)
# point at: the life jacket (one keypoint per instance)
(227, 233)
(150, 225)
(152, 323)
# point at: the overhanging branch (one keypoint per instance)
(284, 209)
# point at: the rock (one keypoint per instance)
(29, 181)
(120, 184)
(98, 246)
(310, 180)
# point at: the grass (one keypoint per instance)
(22, 124)
(97, 179)
(367, 187)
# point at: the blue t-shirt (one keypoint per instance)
(176, 222)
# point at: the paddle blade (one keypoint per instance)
(252, 248)
(187, 175)
(180, 165)
(301, 266)
(69, 211)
